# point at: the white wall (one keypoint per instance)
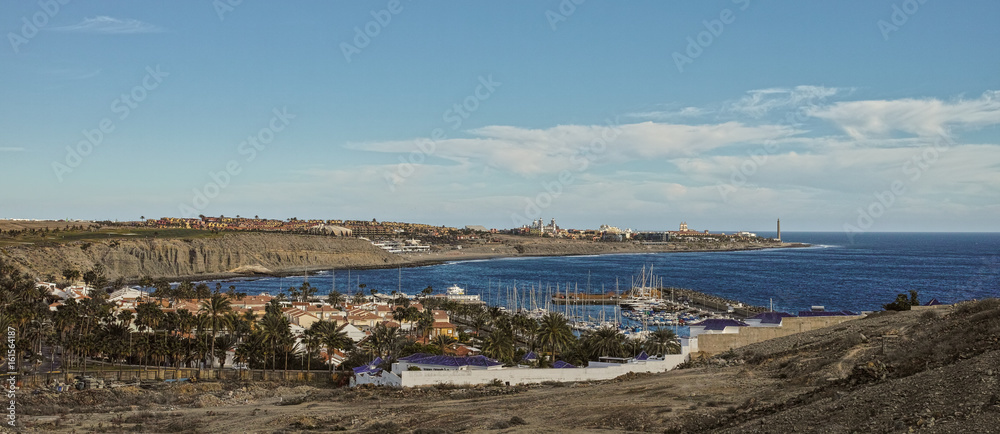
(526, 376)
(384, 378)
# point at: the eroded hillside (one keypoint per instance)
(221, 254)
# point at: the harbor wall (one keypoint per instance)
(712, 344)
(529, 375)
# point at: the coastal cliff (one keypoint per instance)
(218, 255)
(222, 254)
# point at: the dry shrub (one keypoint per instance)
(184, 424)
(140, 417)
(384, 428)
(626, 419)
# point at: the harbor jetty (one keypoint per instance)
(714, 303)
(677, 297)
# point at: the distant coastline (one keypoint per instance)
(203, 255)
(479, 254)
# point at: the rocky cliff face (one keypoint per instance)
(221, 254)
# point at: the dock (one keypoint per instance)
(693, 298)
(581, 298)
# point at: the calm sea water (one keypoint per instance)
(838, 273)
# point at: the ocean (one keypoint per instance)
(838, 273)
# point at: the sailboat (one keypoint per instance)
(643, 296)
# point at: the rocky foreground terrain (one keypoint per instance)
(934, 371)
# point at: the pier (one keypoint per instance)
(580, 298)
(676, 295)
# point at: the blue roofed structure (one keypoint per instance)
(370, 368)
(530, 357)
(642, 356)
(434, 362)
(559, 364)
(717, 324)
(372, 374)
(933, 302)
(768, 319)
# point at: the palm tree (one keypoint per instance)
(526, 327)
(202, 291)
(184, 290)
(64, 322)
(71, 274)
(222, 346)
(312, 340)
(146, 282)
(148, 317)
(275, 329)
(162, 289)
(499, 345)
(605, 342)
(425, 322)
(287, 346)
(661, 342)
(358, 298)
(554, 332)
(335, 298)
(384, 341)
(306, 291)
(252, 349)
(443, 341)
(216, 308)
(333, 337)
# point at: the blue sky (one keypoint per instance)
(853, 116)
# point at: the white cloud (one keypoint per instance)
(758, 103)
(670, 115)
(109, 25)
(922, 117)
(813, 174)
(574, 147)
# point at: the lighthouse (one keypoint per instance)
(779, 230)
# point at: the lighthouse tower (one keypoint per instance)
(779, 230)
